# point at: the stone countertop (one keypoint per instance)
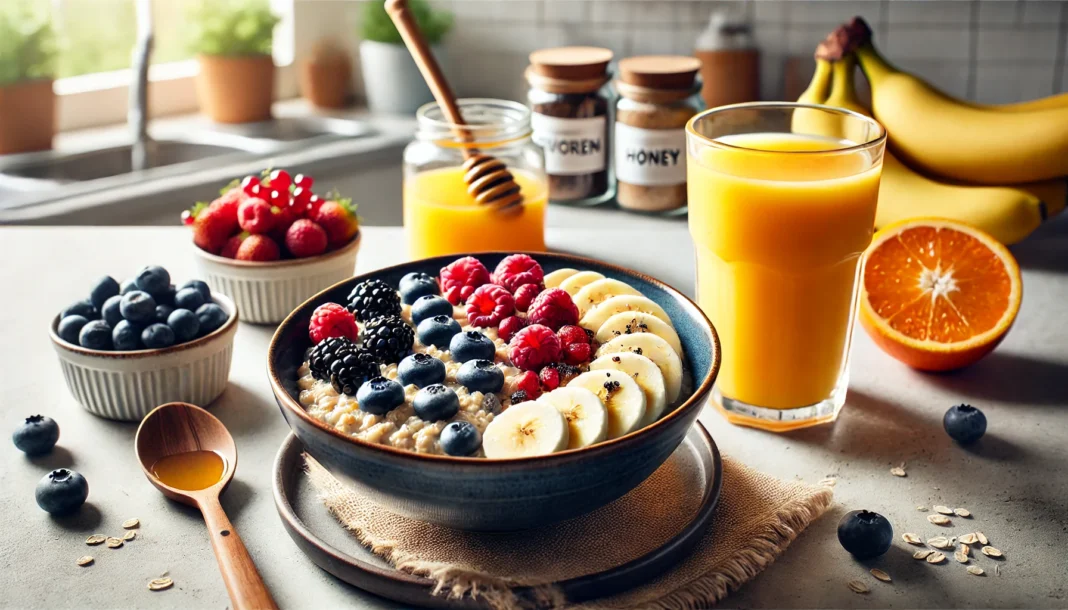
(1013, 481)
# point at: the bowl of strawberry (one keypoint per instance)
(269, 242)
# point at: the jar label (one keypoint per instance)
(650, 157)
(572, 146)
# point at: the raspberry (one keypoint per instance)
(488, 305)
(550, 378)
(332, 320)
(577, 353)
(516, 270)
(534, 347)
(460, 278)
(553, 308)
(528, 384)
(509, 327)
(572, 334)
(525, 294)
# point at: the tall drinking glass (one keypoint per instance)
(782, 205)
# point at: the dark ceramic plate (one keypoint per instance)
(337, 551)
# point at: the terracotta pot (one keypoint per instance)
(236, 89)
(27, 116)
(326, 82)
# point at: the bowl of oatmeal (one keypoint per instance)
(496, 391)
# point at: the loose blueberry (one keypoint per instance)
(157, 336)
(70, 327)
(865, 534)
(481, 376)
(61, 491)
(437, 331)
(128, 285)
(415, 285)
(436, 402)
(84, 309)
(472, 345)
(427, 307)
(420, 370)
(138, 306)
(189, 298)
(126, 336)
(105, 288)
(211, 318)
(201, 287)
(380, 396)
(37, 435)
(154, 280)
(185, 324)
(162, 313)
(95, 335)
(460, 438)
(964, 423)
(112, 311)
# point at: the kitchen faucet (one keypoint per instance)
(137, 110)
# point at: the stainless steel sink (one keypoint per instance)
(293, 129)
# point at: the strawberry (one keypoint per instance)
(339, 220)
(255, 216)
(305, 238)
(228, 202)
(258, 248)
(211, 228)
(230, 249)
(284, 217)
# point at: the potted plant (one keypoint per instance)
(232, 41)
(326, 75)
(27, 65)
(391, 79)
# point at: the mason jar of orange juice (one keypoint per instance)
(440, 216)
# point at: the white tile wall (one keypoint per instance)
(566, 11)
(928, 42)
(1012, 83)
(911, 12)
(1017, 44)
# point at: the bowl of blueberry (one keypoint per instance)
(131, 347)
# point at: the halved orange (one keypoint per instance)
(938, 294)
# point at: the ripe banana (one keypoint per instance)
(634, 322)
(656, 349)
(643, 371)
(621, 396)
(811, 121)
(597, 316)
(595, 293)
(526, 429)
(575, 282)
(555, 278)
(586, 415)
(1059, 100)
(934, 133)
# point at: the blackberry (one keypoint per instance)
(325, 352)
(344, 364)
(373, 299)
(389, 338)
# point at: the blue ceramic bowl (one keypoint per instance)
(497, 494)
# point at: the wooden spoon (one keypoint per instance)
(178, 427)
(488, 179)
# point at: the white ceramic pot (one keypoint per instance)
(265, 293)
(391, 80)
(127, 385)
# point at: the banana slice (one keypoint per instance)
(595, 293)
(633, 322)
(655, 349)
(586, 415)
(524, 430)
(553, 279)
(575, 283)
(625, 402)
(597, 316)
(645, 372)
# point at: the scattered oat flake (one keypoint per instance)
(84, 561)
(129, 524)
(945, 510)
(898, 471)
(968, 539)
(990, 551)
(975, 570)
(962, 512)
(912, 539)
(961, 556)
(95, 539)
(936, 557)
(883, 576)
(130, 535)
(922, 554)
(114, 543)
(938, 519)
(857, 586)
(981, 537)
(160, 584)
(921, 508)
(940, 542)
(829, 482)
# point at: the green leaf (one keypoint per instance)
(229, 187)
(376, 24)
(232, 27)
(28, 46)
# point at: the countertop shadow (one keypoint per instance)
(1011, 378)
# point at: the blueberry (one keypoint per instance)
(128, 285)
(415, 285)
(95, 335)
(154, 280)
(167, 298)
(420, 370)
(70, 327)
(157, 336)
(111, 311)
(200, 286)
(460, 438)
(472, 345)
(436, 402)
(127, 336)
(865, 534)
(380, 396)
(429, 306)
(37, 435)
(138, 306)
(84, 309)
(61, 491)
(162, 313)
(437, 331)
(189, 298)
(211, 318)
(481, 376)
(105, 288)
(964, 423)
(185, 324)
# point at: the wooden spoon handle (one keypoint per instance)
(243, 581)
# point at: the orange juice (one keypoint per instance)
(779, 228)
(440, 217)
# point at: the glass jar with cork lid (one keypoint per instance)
(570, 111)
(658, 94)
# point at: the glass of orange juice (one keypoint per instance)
(782, 205)
(440, 216)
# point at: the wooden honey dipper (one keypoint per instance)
(488, 179)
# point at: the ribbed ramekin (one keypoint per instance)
(266, 292)
(127, 385)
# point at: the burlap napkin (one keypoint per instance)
(756, 519)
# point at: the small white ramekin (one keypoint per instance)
(266, 292)
(127, 385)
